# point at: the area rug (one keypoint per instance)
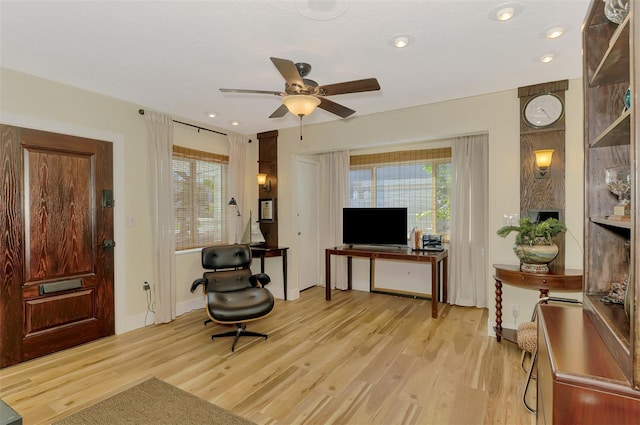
(154, 402)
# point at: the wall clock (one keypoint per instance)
(543, 110)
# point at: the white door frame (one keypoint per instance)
(295, 223)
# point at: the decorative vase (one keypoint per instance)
(618, 180)
(616, 10)
(535, 258)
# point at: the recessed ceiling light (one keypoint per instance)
(549, 57)
(211, 114)
(401, 42)
(505, 12)
(235, 122)
(555, 32)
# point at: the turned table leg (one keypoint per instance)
(498, 327)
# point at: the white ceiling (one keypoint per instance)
(173, 56)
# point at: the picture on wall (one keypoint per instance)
(266, 209)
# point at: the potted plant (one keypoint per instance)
(534, 242)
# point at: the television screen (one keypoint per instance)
(374, 226)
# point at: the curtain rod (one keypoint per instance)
(141, 112)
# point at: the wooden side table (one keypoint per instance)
(272, 251)
(557, 280)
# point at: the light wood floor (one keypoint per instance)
(360, 359)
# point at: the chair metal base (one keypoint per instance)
(530, 376)
(241, 330)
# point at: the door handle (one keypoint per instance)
(299, 233)
(108, 244)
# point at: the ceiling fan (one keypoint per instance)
(301, 95)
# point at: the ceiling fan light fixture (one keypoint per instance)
(301, 104)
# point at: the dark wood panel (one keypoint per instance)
(550, 87)
(544, 193)
(548, 192)
(268, 164)
(11, 246)
(43, 343)
(59, 221)
(105, 257)
(58, 310)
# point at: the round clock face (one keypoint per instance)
(543, 110)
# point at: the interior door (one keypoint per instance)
(307, 221)
(64, 285)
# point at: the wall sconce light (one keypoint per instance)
(543, 161)
(262, 181)
(233, 203)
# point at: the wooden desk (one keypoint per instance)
(272, 251)
(398, 254)
(558, 280)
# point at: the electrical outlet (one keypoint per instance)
(146, 286)
(515, 310)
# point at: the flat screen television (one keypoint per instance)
(374, 226)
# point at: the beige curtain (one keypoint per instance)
(238, 144)
(160, 127)
(469, 218)
(335, 172)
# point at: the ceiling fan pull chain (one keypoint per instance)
(301, 128)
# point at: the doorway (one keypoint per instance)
(307, 218)
(60, 288)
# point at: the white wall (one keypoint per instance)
(496, 114)
(33, 102)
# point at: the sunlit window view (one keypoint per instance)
(423, 186)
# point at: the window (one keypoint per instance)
(419, 180)
(200, 194)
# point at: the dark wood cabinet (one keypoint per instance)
(589, 358)
(579, 380)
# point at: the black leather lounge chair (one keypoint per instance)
(234, 295)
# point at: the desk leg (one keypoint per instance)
(284, 272)
(349, 272)
(445, 279)
(327, 276)
(498, 328)
(372, 271)
(434, 288)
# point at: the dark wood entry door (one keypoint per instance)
(57, 247)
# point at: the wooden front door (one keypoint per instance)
(57, 244)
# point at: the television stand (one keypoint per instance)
(435, 258)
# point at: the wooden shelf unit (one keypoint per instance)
(589, 360)
(610, 140)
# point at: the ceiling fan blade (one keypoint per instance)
(289, 71)
(277, 93)
(368, 84)
(280, 112)
(335, 108)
